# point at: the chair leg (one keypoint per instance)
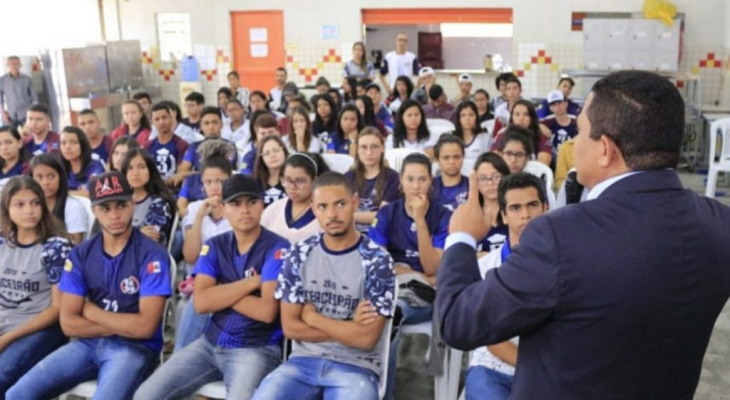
(454, 373)
(711, 182)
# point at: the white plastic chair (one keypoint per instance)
(395, 157)
(721, 128)
(87, 206)
(339, 162)
(438, 123)
(488, 125)
(171, 238)
(545, 174)
(442, 384)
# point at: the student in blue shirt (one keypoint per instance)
(100, 143)
(382, 113)
(113, 292)
(491, 169)
(13, 159)
(565, 85)
(365, 105)
(349, 124)
(76, 157)
(167, 149)
(235, 279)
(39, 139)
(211, 124)
(376, 184)
(450, 188)
(269, 168)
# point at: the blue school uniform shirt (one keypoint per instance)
(94, 168)
(369, 198)
(116, 284)
(495, 238)
(340, 146)
(101, 153)
(383, 115)
(303, 221)
(248, 161)
(396, 231)
(167, 156)
(52, 144)
(450, 196)
(18, 169)
(192, 188)
(220, 259)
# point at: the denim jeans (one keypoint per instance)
(487, 384)
(119, 367)
(191, 326)
(411, 316)
(242, 369)
(25, 352)
(308, 378)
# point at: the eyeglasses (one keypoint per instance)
(515, 154)
(275, 150)
(295, 183)
(483, 179)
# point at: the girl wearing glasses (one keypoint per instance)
(292, 217)
(490, 169)
(524, 116)
(269, 168)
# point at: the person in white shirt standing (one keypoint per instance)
(491, 368)
(241, 93)
(399, 63)
(275, 94)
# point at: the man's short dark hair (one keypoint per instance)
(282, 69)
(39, 108)
(373, 86)
(332, 178)
(161, 106)
(266, 121)
(513, 79)
(517, 134)
(519, 180)
(435, 92)
(211, 110)
(196, 97)
(448, 139)
(567, 79)
(502, 77)
(13, 58)
(142, 95)
(234, 74)
(643, 114)
(322, 81)
(87, 111)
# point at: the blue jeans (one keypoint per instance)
(309, 378)
(191, 326)
(25, 352)
(411, 316)
(242, 370)
(487, 384)
(118, 366)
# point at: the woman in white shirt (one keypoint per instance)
(411, 131)
(300, 137)
(292, 217)
(467, 129)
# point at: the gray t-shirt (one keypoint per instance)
(335, 282)
(26, 276)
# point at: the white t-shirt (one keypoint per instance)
(395, 105)
(209, 227)
(502, 113)
(76, 216)
(274, 219)
(420, 145)
(242, 133)
(275, 98)
(315, 146)
(480, 145)
(399, 64)
(185, 133)
(481, 356)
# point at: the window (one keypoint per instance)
(173, 33)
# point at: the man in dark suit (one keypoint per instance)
(612, 298)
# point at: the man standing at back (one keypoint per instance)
(16, 94)
(614, 297)
(399, 63)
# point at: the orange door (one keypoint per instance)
(258, 47)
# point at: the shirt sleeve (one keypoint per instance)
(391, 192)
(154, 275)
(189, 155)
(289, 288)
(72, 278)
(380, 285)
(76, 217)
(378, 231)
(416, 67)
(384, 68)
(207, 263)
(274, 259)
(185, 189)
(55, 253)
(182, 148)
(439, 237)
(545, 145)
(190, 216)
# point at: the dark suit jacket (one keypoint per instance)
(613, 298)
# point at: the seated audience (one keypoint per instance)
(481, 99)
(115, 318)
(337, 97)
(402, 91)
(136, 123)
(364, 104)
(501, 85)
(119, 149)
(465, 83)
(325, 117)
(349, 124)
(466, 122)
(185, 132)
(492, 368)
(153, 201)
(194, 103)
(210, 124)
(13, 158)
(490, 169)
(562, 125)
(292, 217)
(238, 92)
(523, 115)
(513, 93)
(33, 250)
(515, 149)
(235, 279)
(145, 100)
(565, 86)
(439, 106)
(382, 114)
(336, 292)
(257, 102)
(450, 188)
(375, 183)
(301, 137)
(263, 124)
(411, 131)
(235, 127)
(269, 168)
(224, 96)
(101, 144)
(47, 170)
(167, 149)
(361, 87)
(39, 138)
(76, 158)
(426, 79)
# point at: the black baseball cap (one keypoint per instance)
(109, 186)
(241, 185)
(435, 92)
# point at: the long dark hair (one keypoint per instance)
(359, 167)
(348, 108)
(155, 186)
(252, 123)
(400, 133)
(364, 61)
(534, 127)
(128, 141)
(22, 155)
(47, 227)
(496, 161)
(319, 124)
(52, 161)
(144, 122)
(352, 82)
(409, 87)
(307, 130)
(459, 131)
(368, 117)
(261, 170)
(339, 100)
(85, 152)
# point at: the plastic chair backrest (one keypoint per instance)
(720, 127)
(489, 126)
(395, 157)
(339, 162)
(541, 171)
(87, 206)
